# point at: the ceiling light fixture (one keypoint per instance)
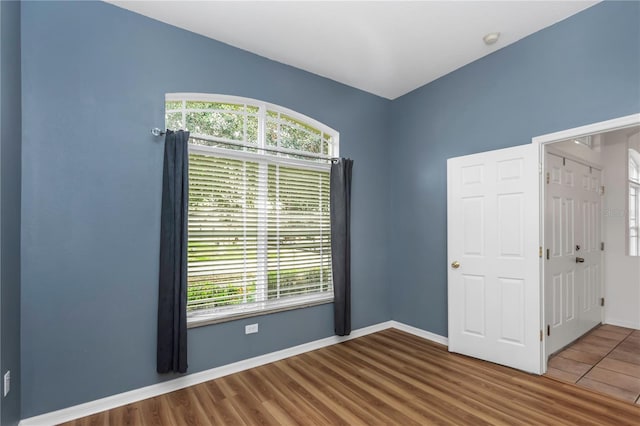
(491, 38)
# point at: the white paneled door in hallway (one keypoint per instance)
(494, 261)
(573, 256)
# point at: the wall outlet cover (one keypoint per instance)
(251, 328)
(7, 382)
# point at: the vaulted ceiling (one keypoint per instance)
(387, 48)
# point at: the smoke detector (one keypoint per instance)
(491, 38)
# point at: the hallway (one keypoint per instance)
(606, 360)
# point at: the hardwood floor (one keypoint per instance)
(389, 377)
(607, 360)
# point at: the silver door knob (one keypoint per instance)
(579, 259)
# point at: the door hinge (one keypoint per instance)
(602, 301)
(548, 177)
(548, 330)
(540, 252)
(564, 161)
(541, 334)
(602, 190)
(602, 246)
(547, 254)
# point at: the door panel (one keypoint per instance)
(569, 297)
(557, 290)
(512, 310)
(572, 231)
(493, 232)
(473, 226)
(474, 313)
(511, 232)
(591, 201)
(560, 268)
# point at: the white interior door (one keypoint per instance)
(493, 250)
(561, 276)
(590, 250)
(573, 258)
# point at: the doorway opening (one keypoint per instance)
(590, 229)
(591, 268)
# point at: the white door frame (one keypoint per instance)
(541, 141)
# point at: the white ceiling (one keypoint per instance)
(387, 48)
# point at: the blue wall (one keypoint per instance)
(10, 140)
(94, 79)
(582, 70)
(93, 82)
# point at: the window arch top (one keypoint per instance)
(249, 124)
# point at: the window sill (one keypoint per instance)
(208, 319)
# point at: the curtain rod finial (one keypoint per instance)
(157, 132)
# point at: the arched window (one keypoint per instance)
(259, 227)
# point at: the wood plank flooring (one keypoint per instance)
(389, 377)
(607, 360)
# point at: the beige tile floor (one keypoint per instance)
(607, 360)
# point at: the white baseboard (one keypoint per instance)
(420, 333)
(118, 400)
(622, 323)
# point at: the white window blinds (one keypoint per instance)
(259, 235)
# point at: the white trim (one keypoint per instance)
(420, 333)
(589, 129)
(262, 150)
(118, 400)
(622, 323)
(195, 320)
(259, 158)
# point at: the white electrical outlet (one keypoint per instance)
(251, 328)
(7, 382)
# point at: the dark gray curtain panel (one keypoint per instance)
(341, 244)
(172, 300)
